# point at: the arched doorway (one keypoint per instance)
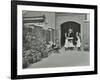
(64, 28)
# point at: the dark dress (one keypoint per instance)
(74, 38)
(70, 35)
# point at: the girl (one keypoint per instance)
(70, 38)
(66, 42)
(78, 42)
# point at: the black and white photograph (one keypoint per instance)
(53, 39)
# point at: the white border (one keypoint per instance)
(21, 71)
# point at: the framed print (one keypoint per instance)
(52, 39)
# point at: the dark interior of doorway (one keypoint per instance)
(64, 28)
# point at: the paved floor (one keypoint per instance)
(64, 58)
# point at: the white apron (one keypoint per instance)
(78, 42)
(66, 43)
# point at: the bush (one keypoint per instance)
(34, 49)
(86, 47)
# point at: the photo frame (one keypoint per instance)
(35, 26)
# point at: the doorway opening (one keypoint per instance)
(66, 26)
